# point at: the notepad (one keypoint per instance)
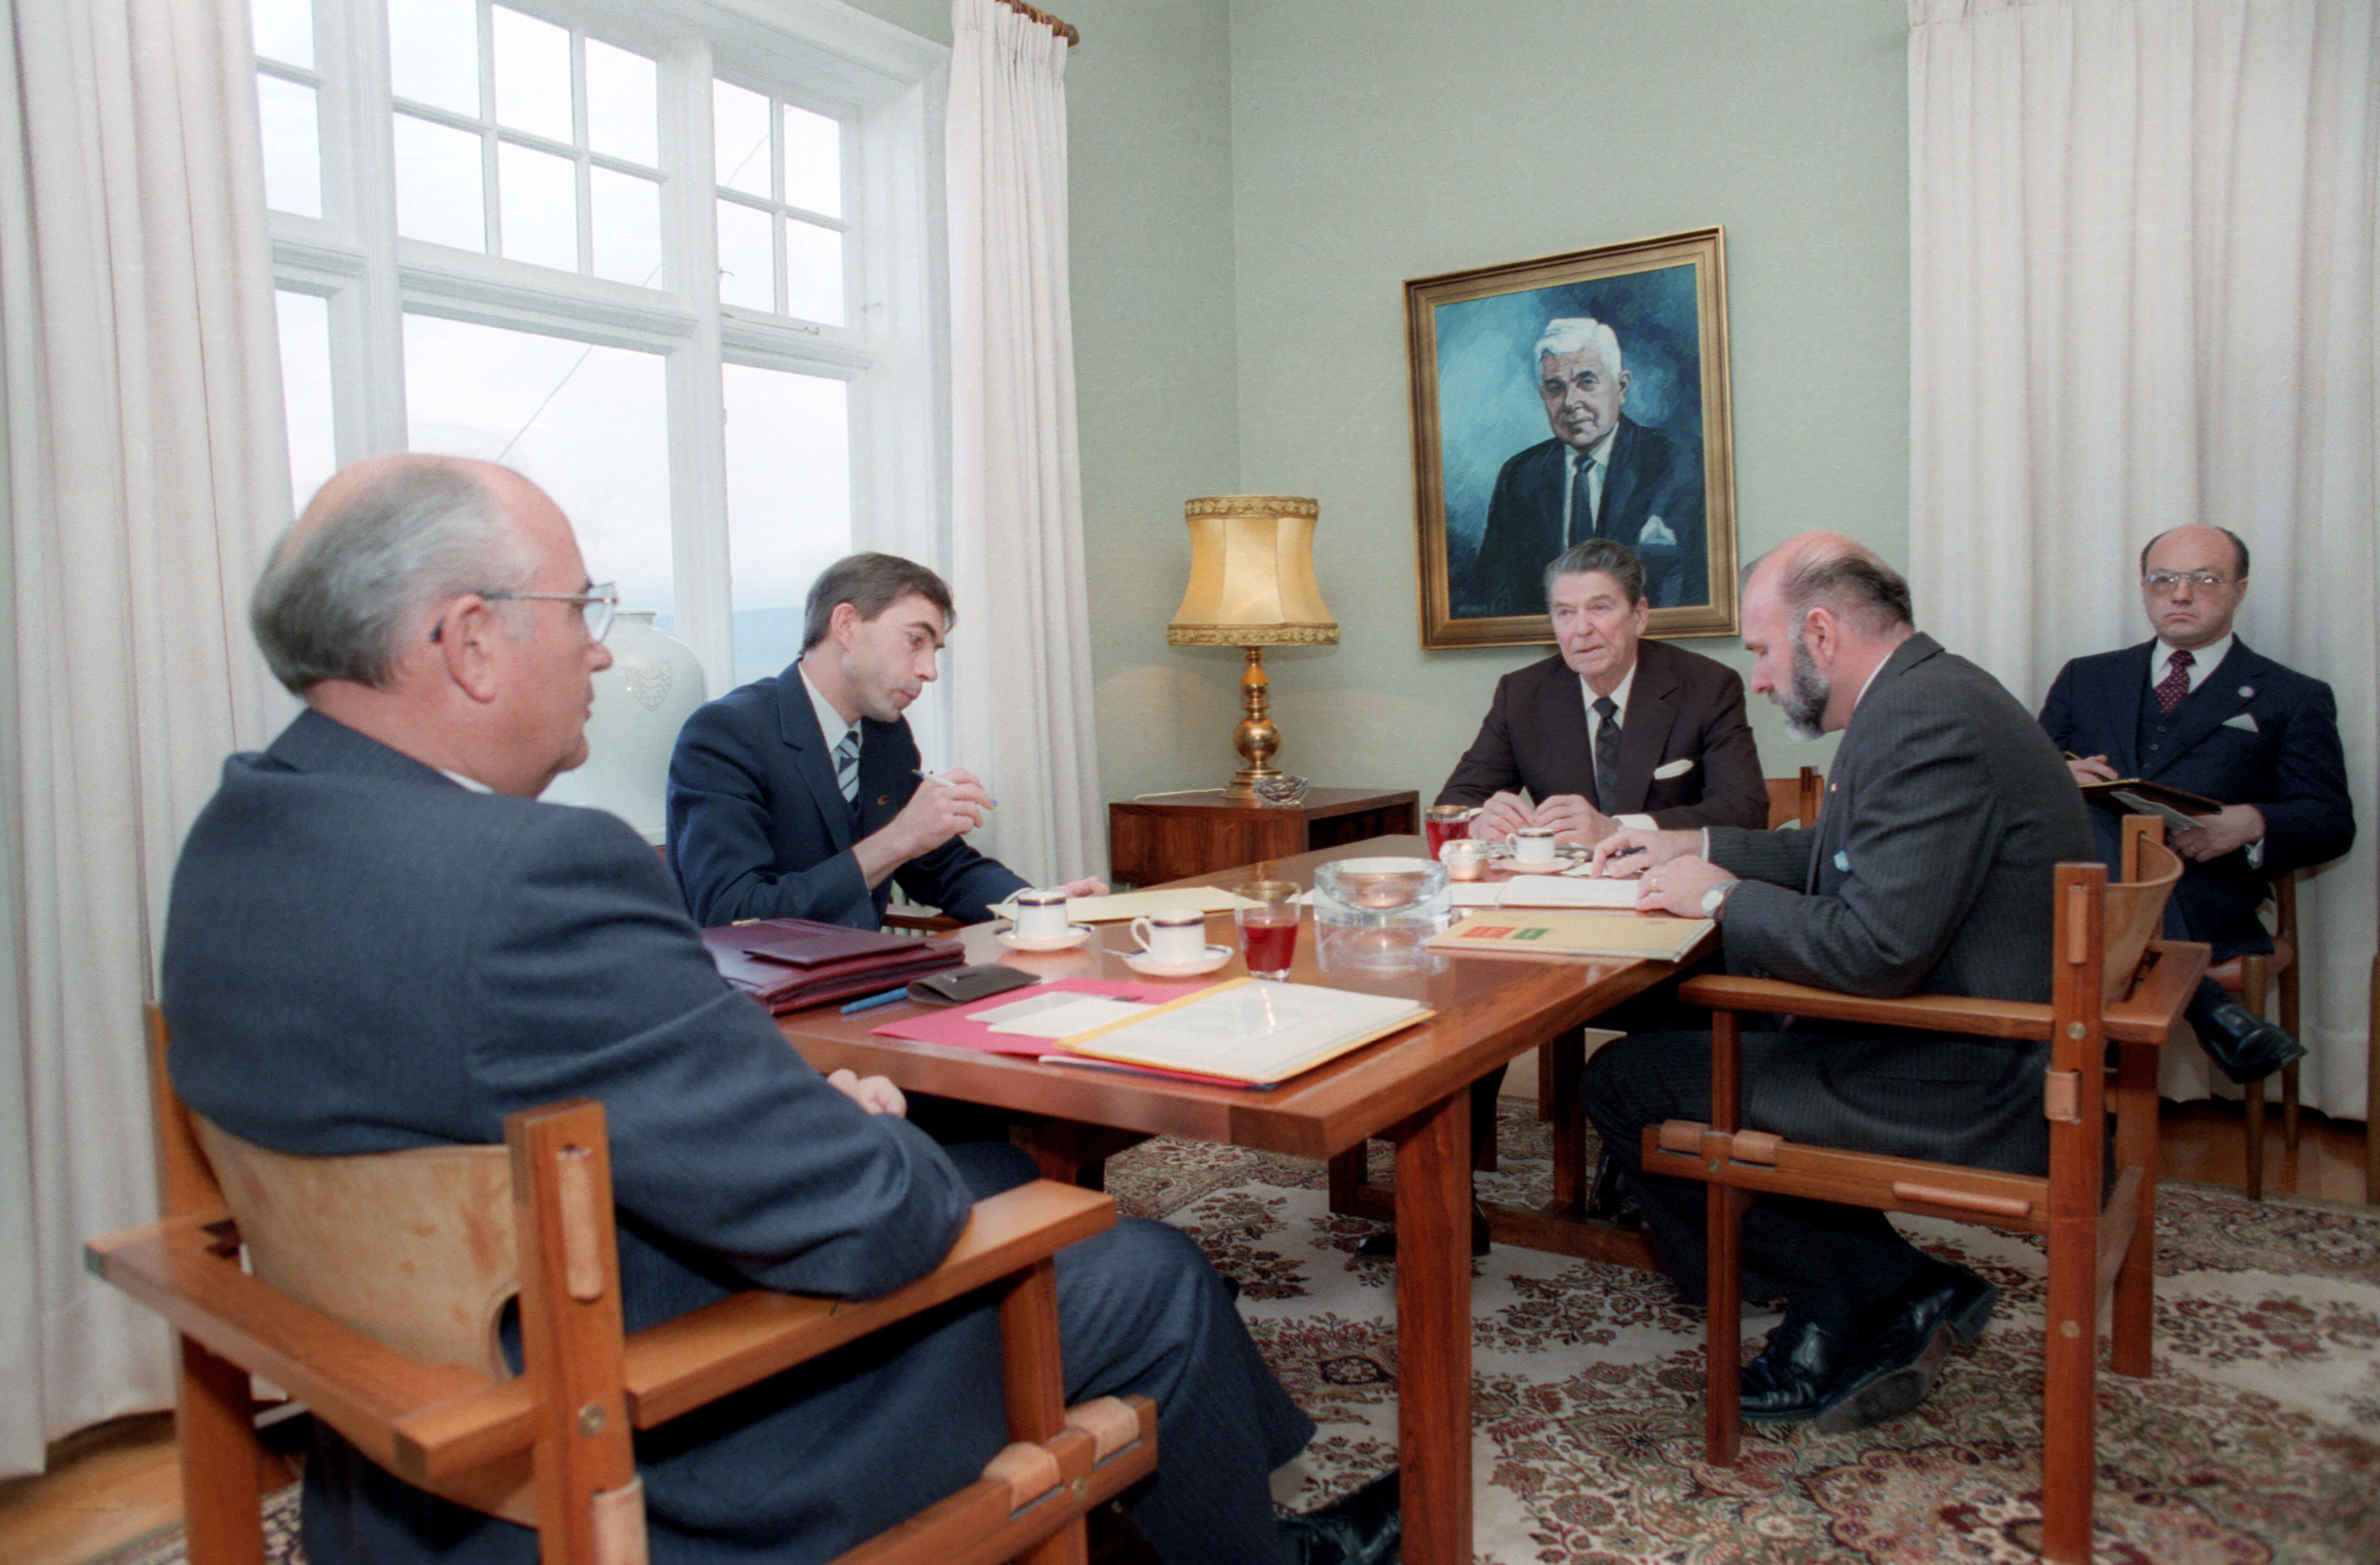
(1526, 932)
(1250, 1030)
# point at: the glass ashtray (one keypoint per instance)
(1380, 892)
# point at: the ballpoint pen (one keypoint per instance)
(873, 1001)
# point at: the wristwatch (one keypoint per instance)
(1716, 895)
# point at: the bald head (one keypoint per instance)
(379, 544)
(1821, 611)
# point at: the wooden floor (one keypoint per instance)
(111, 1484)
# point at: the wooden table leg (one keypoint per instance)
(1433, 1206)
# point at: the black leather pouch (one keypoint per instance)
(960, 985)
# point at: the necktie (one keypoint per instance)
(2176, 684)
(1581, 503)
(1607, 752)
(846, 766)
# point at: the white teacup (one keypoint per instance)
(1179, 936)
(1534, 844)
(1041, 915)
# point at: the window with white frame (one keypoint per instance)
(669, 258)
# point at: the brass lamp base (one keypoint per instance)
(1257, 737)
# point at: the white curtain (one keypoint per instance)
(145, 470)
(2142, 293)
(1021, 682)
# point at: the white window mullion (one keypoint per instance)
(698, 441)
(366, 352)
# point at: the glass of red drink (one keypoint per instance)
(1268, 918)
(1440, 824)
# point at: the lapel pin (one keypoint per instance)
(2246, 691)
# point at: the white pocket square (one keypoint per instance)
(2238, 719)
(1678, 768)
(1656, 534)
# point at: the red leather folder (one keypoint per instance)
(790, 964)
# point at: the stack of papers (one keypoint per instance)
(1247, 1030)
(1545, 890)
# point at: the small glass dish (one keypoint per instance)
(1380, 892)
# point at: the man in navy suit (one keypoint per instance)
(2197, 709)
(1603, 475)
(378, 938)
(799, 796)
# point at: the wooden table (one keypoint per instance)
(1410, 1088)
(1173, 836)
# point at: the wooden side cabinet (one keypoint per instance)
(1175, 835)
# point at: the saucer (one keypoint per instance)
(1075, 935)
(1142, 962)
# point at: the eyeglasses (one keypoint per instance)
(595, 605)
(2164, 582)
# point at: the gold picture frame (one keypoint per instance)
(1492, 491)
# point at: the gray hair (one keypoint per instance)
(871, 584)
(1609, 556)
(338, 594)
(1578, 333)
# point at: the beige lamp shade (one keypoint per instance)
(1252, 574)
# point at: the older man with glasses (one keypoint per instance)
(2195, 709)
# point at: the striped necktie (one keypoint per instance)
(1607, 752)
(846, 766)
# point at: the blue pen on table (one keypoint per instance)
(873, 1001)
(929, 777)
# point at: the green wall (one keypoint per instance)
(1254, 180)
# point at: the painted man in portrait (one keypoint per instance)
(1603, 475)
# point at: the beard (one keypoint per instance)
(1805, 702)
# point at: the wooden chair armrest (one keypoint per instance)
(2169, 978)
(1928, 1012)
(698, 1357)
(186, 1269)
(430, 1423)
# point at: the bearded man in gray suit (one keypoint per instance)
(379, 939)
(1946, 813)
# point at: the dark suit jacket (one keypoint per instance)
(1683, 707)
(1930, 870)
(361, 955)
(1652, 473)
(2253, 733)
(759, 829)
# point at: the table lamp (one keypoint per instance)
(1252, 587)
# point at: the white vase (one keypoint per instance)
(653, 685)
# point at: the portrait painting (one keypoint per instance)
(1576, 396)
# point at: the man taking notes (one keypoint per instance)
(2195, 709)
(799, 796)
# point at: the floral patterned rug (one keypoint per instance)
(2257, 1439)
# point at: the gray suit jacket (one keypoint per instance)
(1684, 707)
(1930, 870)
(362, 955)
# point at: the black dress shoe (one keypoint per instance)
(1382, 1246)
(2246, 1046)
(1357, 1529)
(1613, 1198)
(1793, 1374)
(1943, 1306)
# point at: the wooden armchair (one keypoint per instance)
(1794, 801)
(2112, 983)
(379, 1283)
